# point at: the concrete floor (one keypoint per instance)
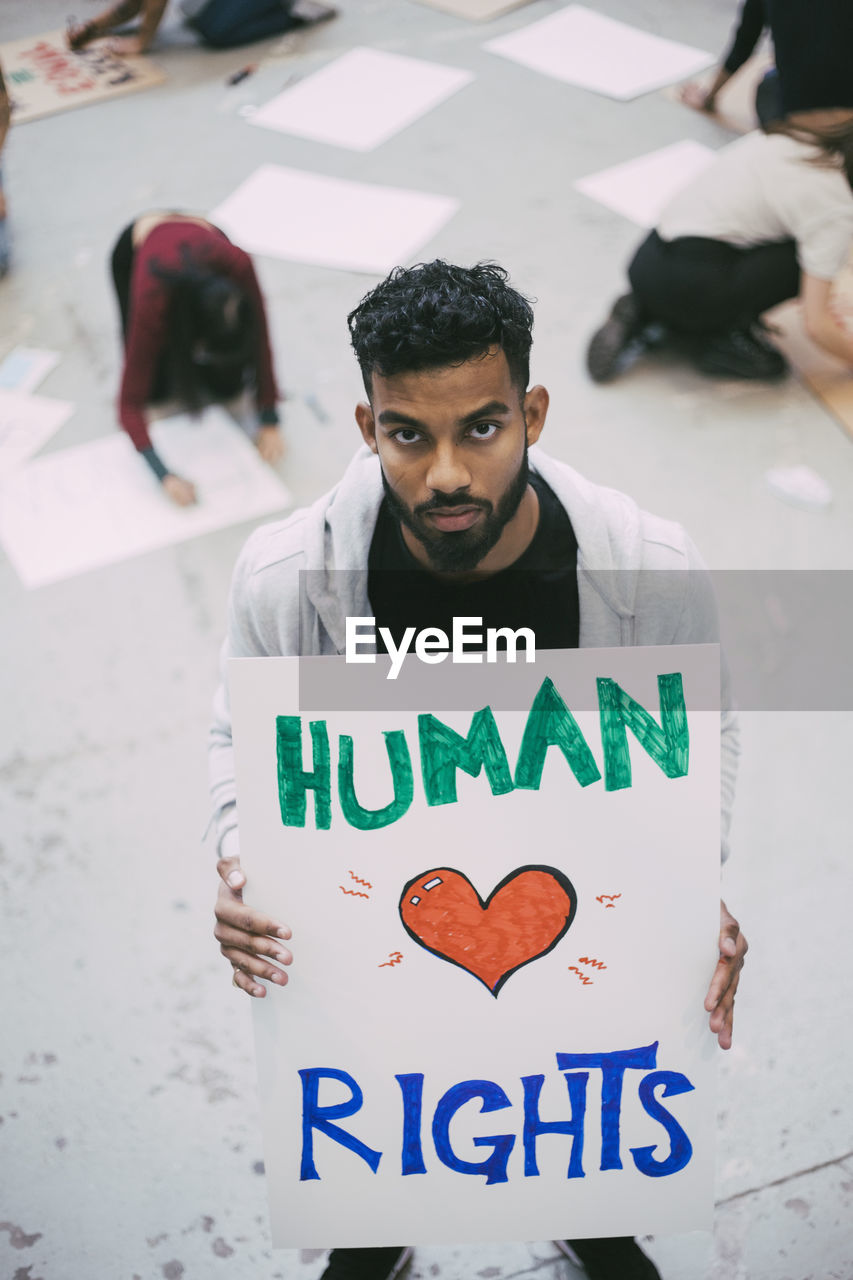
(128, 1125)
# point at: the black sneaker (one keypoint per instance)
(616, 1258)
(619, 338)
(742, 353)
(367, 1264)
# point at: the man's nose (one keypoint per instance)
(447, 471)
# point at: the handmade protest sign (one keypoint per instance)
(43, 76)
(504, 926)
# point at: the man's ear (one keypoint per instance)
(535, 412)
(366, 424)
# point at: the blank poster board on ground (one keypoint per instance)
(361, 99)
(595, 52)
(493, 1027)
(43, 76)
(639, 189)
(331, 222)
(26, 423)
(99, 503)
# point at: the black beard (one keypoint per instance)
(460, 552)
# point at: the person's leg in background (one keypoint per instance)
(727, 338)
(768, 99)
(121, 268)
(225, 24)
(708, 295)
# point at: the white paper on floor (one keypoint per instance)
(361, 99)
(639, 189)
(26, 423)
(800, 485)
(25, 367)
(598, 53)
(99, 503)
(330, 222)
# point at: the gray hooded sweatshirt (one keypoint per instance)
(276, 612)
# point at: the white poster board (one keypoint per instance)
(595, 52)
(24, 368)
(26, 423)
(99, 503)
(640, 189)
(331, 222)
(361, 99)
(525, 943)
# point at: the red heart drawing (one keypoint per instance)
(522, 918)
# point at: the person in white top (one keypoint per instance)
(771, 218)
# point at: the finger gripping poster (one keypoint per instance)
(504, 898)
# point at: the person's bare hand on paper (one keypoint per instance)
(179, 490)
(247, 938)
(127, 46)
(270, 443)
(696, 96)
(720, 1000)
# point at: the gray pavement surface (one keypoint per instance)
(129, 1136)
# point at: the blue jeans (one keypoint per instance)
(227, 23)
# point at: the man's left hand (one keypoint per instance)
(720, 1000)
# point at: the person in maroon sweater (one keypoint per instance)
(194, 330)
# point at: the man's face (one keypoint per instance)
(452, 443)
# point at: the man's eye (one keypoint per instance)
(484, 430)
(406, 435)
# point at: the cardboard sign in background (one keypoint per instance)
(43, 76)
(372, 1009)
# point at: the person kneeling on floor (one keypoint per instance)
(770, 219)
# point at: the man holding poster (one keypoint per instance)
(444, 540)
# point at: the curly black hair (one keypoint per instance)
(436, 314)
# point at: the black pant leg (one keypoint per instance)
(698, 286)
(764, 276)
(121, 266)
(768, 99)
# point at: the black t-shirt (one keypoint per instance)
(539, 590)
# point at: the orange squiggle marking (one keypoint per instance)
(354, 893)
(612, 896)
(394, 957)
(594, 964)
(587, 982)
(366, 883)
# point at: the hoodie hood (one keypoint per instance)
(339, 529)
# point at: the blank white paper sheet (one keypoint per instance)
(25, 367)
(26, 423)
(331, 222)
(594, 52)
(640, 189)
(99, 503)
(361, 99)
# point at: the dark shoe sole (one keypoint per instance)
(617, 342)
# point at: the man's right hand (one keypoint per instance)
(247, 938)
(179, 490)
